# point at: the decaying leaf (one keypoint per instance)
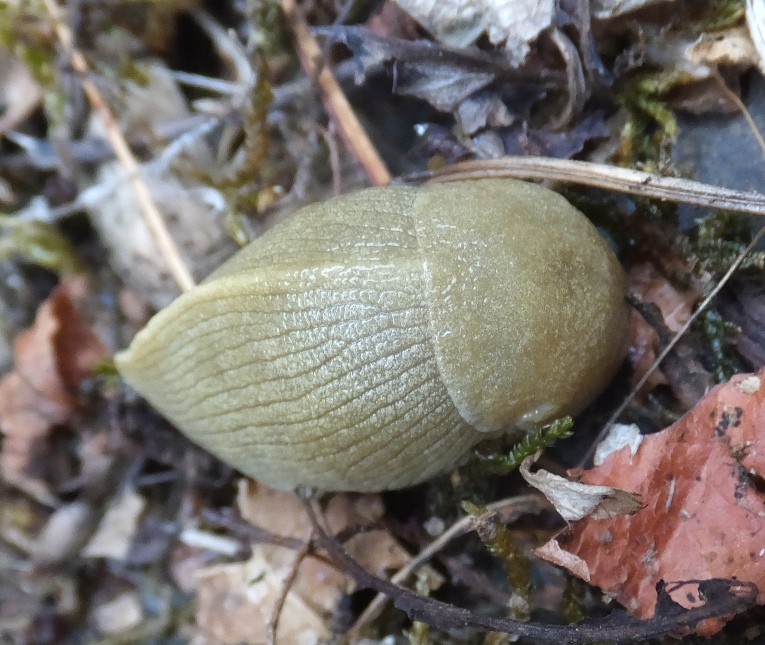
(64, 534)
(235, 601)
(459, 23)
(676, 307)
(20, 92)
(731, 47)
(575, 500)
(193, 212)
(51, 359)
(604, 9)
(755, 21)
(451, 80)
(619, 436)
(116, 531)
(703, 516)
(119, 614)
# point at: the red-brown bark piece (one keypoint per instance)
(703, 516)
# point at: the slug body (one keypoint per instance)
(370, 341)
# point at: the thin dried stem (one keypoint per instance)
(671, 345)
(289, 580)
(512, 506)
(602, 176)
(335, 102)
(152, 216)
(744, 112)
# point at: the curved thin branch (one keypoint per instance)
(721, 597)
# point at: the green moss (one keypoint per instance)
(244, 181)
(651, 126)
(720, 14)
(38, 243)
(24, 33)
(717, 242)
(719, 335)
(494, 463)
(269, 33)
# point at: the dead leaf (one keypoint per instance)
(234, 604)
(194, 213)
(247, 591)
(52, 358)
(119, 614)
(731, 47)
(574, 500)
(64, 534)
(451, 80)
(21, 93)
(703, 516)
(115, 533)
(675, 306)
(459, 23)
(755, 21)
(619, 436)
(235, 601)
(603, 9)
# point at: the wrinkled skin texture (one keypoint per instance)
(369, 342)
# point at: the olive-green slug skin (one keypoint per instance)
(320, 354)
(286, 371)
(526, 301)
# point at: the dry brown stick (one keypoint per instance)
(603, 176)
(152, 216)
(289, 580)
(721, 596)
(336, 104)
(512, 506)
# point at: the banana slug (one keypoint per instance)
(368, 342)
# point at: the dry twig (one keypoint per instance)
(508, 508)
(152, 216)
(289, 580)
(335, 102)
(613, 178)
(722, 596)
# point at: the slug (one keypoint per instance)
(368, 342)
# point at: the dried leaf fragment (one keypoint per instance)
(52, 358)
(703, 514)
(574, 500)
(235, 600)
(459, 23)
(755, 21)
(603, 9)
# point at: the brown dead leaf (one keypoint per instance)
(117, 529)
(235, 601)
(730, 47)
(21, 93)
(703, 516)
(234, 604)
(575, 500)
(676, 307)
(52, 358)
